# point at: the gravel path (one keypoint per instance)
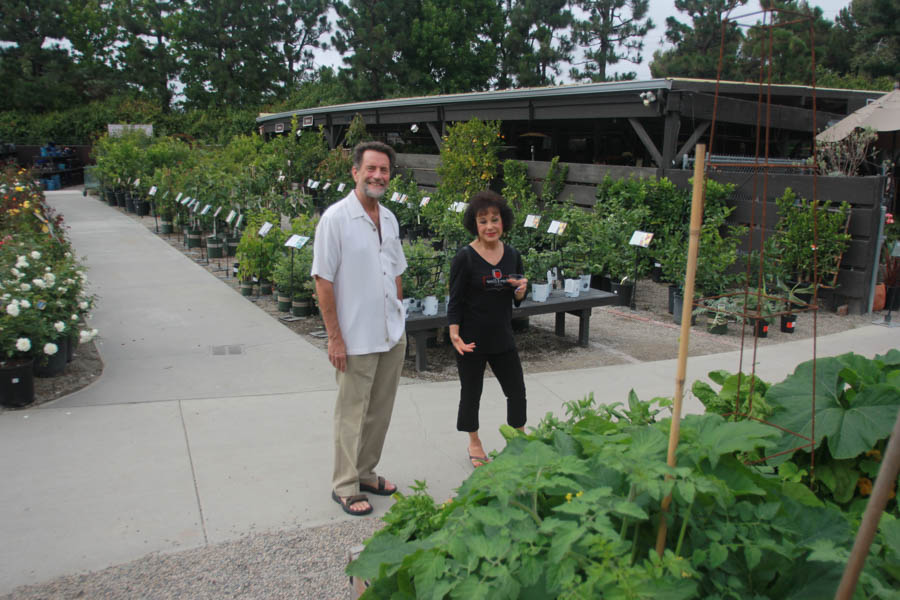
(296, 564)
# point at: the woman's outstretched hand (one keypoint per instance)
(460, 345)
(520, 285)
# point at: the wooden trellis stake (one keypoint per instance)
(686, 310)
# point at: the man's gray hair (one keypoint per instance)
(381, 147)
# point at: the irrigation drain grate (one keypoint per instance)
(226, 350)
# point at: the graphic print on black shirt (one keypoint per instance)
(495, 282)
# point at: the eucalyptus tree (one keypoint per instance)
(414, 47)
(697, 41)
(613, 30)
(300, 26)
(535, 42)
(148, 30)
(227, 52)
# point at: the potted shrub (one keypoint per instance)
(804, 256)
(537, 265)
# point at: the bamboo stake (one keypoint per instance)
(686, 309)
(887, 475)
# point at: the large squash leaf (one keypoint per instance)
(852, 411)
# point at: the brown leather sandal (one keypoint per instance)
(347, 501)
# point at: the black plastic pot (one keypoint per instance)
(600, 282)
(677, 307)
(16, 382)
(53, 365)
(787, 323)
(760, 327)
(624, 291)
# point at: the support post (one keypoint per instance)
(686, 310)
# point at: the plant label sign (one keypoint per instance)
(309, 183)
(533, 221)
(265, 229)
(641, 238)
(137, 182)
(185, 200)
(196, 205)
(238, 224)
(425, 201)
(296, 241)
(216, 214)
(326, 186)
(152, 191)
(206, 209)
(178, 197)
(557, 227)
(230, 217)
(341, 187)
(315, 185)
(395, 197)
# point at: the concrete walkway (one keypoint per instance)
(179, 445)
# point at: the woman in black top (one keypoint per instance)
(485, 280)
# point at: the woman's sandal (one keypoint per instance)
(379, 490)
(347, 501)
(481, 460)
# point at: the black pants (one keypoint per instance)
(507, 369)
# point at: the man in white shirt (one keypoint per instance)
(357, 263)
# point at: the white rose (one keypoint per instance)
(17, 273)
(12, 309)
(50, 349)
(39, 283)
(23, 344)
(24, 303)
(35, 254)
(46, 269)
(50, 278)
(84, 336)
(22, 262)
(59, 326)
(74, 317)
(6, 296)
(25, 287)
(83, 305)
(68, 255)
(63, 290)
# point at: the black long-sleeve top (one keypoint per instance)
(481, 300)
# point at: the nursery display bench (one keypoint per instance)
(419, 326)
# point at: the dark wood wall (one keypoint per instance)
(864, 194)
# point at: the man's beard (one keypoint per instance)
(373, 192)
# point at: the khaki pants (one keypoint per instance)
(365, 401)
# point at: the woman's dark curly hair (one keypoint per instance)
(481, 202)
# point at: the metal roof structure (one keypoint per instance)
(668, 116)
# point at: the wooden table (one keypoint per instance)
(418, 325)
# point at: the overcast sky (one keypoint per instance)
(659, 10)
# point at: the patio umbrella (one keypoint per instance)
(882, 115)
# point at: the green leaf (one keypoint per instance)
(382, 549)
(889, 529)
(825, 551)
(490, 515)
(752, 556)
(625, 508)
(718, 554)
(851, 429)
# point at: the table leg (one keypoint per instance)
(561, 324)
(421, 357)
(584, 327)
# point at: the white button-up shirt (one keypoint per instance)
(364, 271)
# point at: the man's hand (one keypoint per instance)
(337, 353)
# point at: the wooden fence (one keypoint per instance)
(864, 194)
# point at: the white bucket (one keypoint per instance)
(430, 306)
(585, 283)
(572, 288)
(540, 292)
